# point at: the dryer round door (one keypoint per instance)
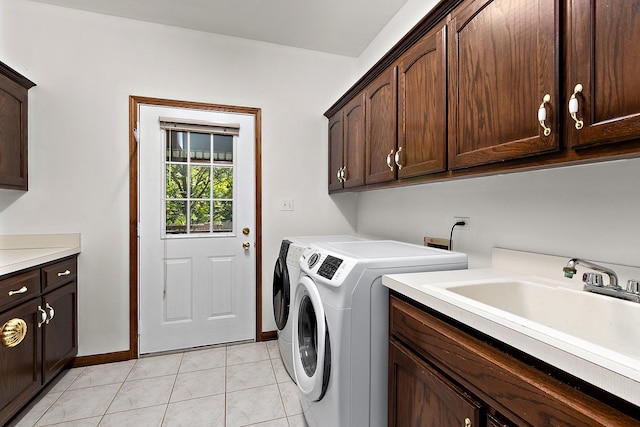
(311, 344)
(281, 293)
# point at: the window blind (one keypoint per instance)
(189, 125)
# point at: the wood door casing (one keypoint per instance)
(603, 41)
(381, 108)
(502, 61)
(354, 142)
(422, 112)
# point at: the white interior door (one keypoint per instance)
(197, 200)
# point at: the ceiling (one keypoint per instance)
(343, 27)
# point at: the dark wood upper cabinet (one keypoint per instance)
(13, 129)
(346, 146)
(336, 148)
(380, 123)
(354, 142)
(422, 112)
(502, 63)
(602, 41)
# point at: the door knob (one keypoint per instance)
(246, 245)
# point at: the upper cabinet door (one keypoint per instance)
(336, 148)
(354, 145)
(422, 113)
(381, 120)
(502, 63)
(603, 38)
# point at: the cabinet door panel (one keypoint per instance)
(421, 397)
(502, 62)
(381, 127)
(336, 148)
(422, 113)
(20, 365)
(60, 334)
(354, 142)
(603, 42)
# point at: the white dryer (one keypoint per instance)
(285, 277)
(340, 326)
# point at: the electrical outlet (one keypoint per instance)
(286, 204)
(466, 226)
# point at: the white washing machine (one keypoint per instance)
(285, 277)
(340, 326)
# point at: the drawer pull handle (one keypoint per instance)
(64, 273)
(389, 160)
(22, 290)
(397, 158)
(467, 423)
(542, 115)
(573, 106)
(52, 313)
(13, 332)
(43, 316)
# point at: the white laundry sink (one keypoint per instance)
(602, 320)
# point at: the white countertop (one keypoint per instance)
(18, 252)
(614, 372)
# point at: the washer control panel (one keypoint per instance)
(329, 269)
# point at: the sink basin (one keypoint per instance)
(605, 321)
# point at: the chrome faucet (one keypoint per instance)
(593, 282)
(570, 270)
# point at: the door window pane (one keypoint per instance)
(176, 150)
(200, 182)
(200, 149)
(176, 214)
(223, 182)
(200, 216)
(176, 181)
(222, 215)
(223, 148)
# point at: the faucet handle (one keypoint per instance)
(593, 279)
(633, 286)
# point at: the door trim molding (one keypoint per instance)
(134, 103)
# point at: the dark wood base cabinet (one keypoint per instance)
(440, 375)
(38, 315)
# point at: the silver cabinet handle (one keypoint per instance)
(43, 316)
(573, 106)
(389, 160)
(22, 290)
(397, 158)
(343, 174)
(542, 114)
(339, 175)
(52, 313)
(64, 273)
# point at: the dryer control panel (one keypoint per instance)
(326, 268)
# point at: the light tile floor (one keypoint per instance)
(231, 386)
